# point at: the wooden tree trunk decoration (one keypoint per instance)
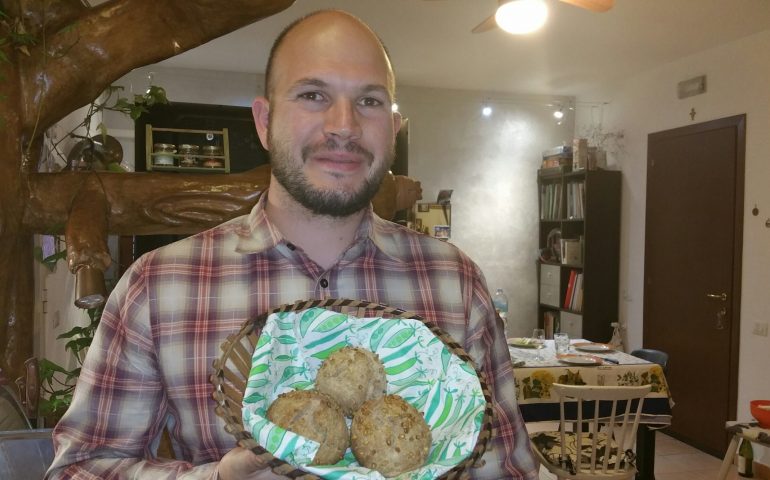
(61, 55)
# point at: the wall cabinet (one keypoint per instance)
(579, 239)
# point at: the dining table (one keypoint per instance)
(537, 366)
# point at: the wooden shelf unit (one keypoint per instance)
(598, 224)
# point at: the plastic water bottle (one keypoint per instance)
(500, 301)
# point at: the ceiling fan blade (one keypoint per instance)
(593, 5)
(486, 25)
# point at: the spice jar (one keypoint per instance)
(188, 155)
(212, 156)
(163, 154)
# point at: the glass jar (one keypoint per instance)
(163, 154)
(188, 155)
(212, 156)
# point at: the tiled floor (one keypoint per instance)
(675, 460)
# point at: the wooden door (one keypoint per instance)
(693, 244)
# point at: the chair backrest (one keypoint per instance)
(614, 410)
(25, 454)
(654, 356)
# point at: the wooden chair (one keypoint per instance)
(605, 446)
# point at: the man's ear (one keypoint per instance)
(260, 110)
(396, 123)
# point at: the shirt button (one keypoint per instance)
(324, 283)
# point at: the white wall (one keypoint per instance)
(738, 78)
(491, 164)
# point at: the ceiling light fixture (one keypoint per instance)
(521, 16)
(394, 107)
(558, 114)
(486, 110)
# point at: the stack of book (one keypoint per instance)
(550, 201)
(557, 158)
(573, 299)
(576, 200)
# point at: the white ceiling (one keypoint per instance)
(431, 42)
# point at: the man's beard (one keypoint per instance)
(334, 203)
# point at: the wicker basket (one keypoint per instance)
(231, 372)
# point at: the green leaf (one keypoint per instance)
(116, 168)
(137, 111)
(71, 333)
(46, 364)
(78, 344)
(102, 131)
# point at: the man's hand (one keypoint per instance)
(242, 464)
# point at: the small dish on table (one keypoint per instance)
(593, 347)
(524, 342)
(578, 359)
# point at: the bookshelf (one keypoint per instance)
(579, 241)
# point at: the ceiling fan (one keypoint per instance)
(518, 7)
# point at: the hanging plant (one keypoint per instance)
(58, 383)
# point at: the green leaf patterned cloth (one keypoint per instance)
(418, 366)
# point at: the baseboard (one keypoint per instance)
(761, 471)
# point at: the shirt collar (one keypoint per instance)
(258, 234)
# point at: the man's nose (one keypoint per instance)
(342, 120)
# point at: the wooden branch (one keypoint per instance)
(146, 203)
(109, 40)
(169, 203)
(86, 231)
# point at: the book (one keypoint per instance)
(549, 318)
(577, 297)
(570, 288)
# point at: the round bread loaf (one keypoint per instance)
(315, 416)
(390, 436)
(351, 376)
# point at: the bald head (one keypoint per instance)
(331, 33)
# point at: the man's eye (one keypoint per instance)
(311, 96)
(370, 102)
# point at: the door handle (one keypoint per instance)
(720, 296)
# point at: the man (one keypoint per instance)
(327, 122)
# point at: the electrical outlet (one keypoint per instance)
(760, 329)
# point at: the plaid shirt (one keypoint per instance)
(161, 329)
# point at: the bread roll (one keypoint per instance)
(390, 436)
(315, 416)
(351, 376)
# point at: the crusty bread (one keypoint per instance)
(390, 436)
(351, 376)
(313, 415)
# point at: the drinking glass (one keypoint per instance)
(561, 341)
(539, 334)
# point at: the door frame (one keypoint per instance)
(738, 122)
